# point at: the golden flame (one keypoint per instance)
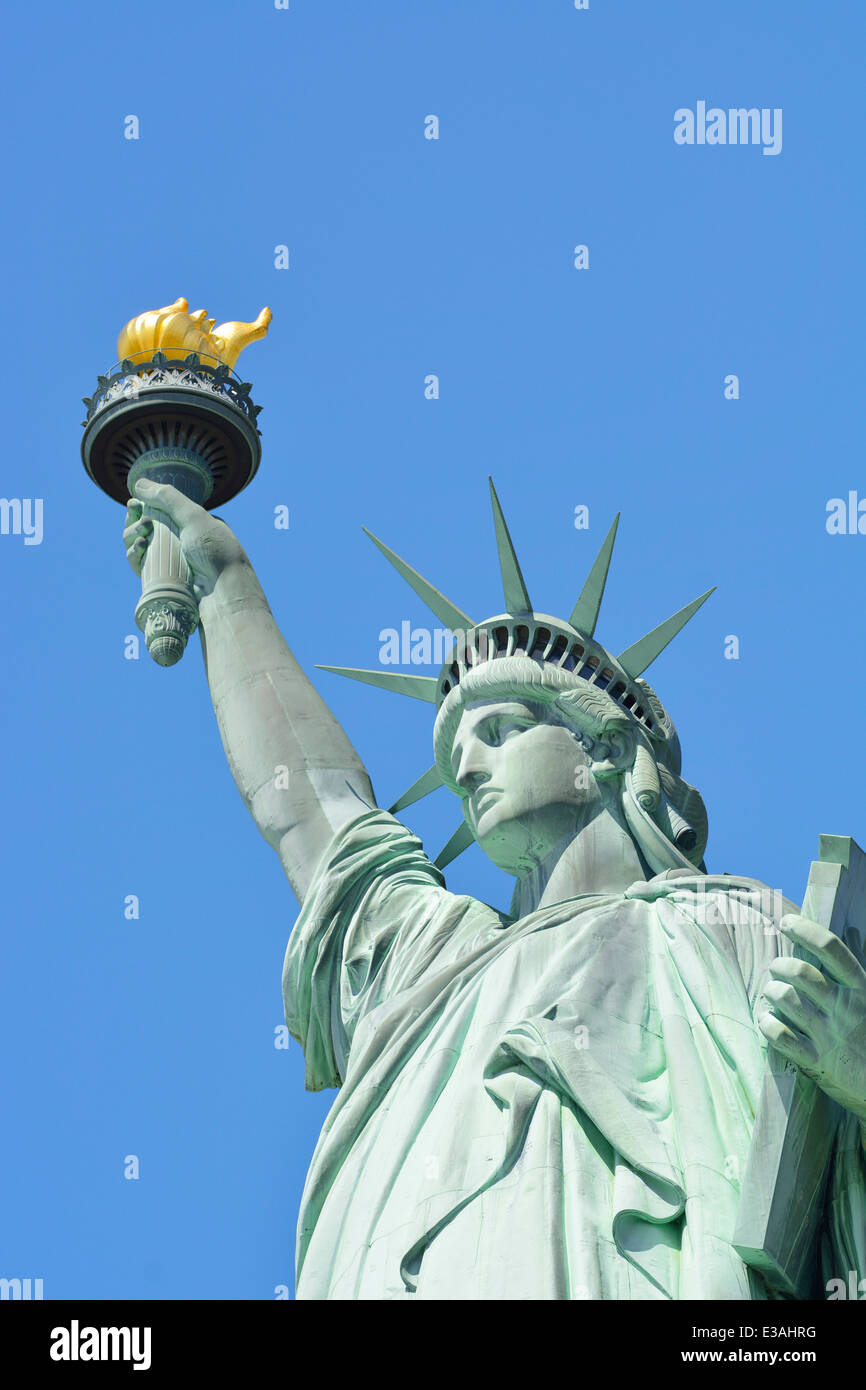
(176, 332)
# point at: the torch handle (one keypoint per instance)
(167, 611)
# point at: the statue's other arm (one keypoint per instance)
(292, 762)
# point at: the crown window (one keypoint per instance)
(542, 637)
(558, 648)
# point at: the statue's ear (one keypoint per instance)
(614, 752)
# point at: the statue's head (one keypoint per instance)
(529, 778)
(539, 728)
(535, 753)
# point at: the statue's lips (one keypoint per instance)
(478, 799)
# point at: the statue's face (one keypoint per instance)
(526, 780)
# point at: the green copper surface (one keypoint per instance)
(584, 614)
(617, 1086)
(513, 585)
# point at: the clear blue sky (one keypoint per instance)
(604, 387)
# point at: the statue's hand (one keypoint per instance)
(207, 543)
(817, 1017)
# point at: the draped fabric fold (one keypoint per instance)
(554, 1107)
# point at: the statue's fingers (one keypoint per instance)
(793, 1008)
(134, 509)
(804, 978)
(829, 950)
(136, 538)
(163, 497)
(137, 530)
(788, 1041)
(135, 555)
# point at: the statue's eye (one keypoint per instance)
(504, 728)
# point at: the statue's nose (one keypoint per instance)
(471, 771)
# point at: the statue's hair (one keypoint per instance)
(655, 797)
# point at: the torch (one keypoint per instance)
(173, 411)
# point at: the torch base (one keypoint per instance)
(167, 617)
(184, 406)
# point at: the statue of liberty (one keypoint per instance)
(557, 1101)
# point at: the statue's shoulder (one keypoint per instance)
(735, 890)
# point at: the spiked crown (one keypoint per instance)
(564, 654)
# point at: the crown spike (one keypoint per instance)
(636, 658)
(426, 783)
(584, 615)
(419, 687)
(460, 840)
(444, 609)
(516, 595)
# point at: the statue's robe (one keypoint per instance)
(558, 1106)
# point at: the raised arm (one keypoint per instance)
(292, 762)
